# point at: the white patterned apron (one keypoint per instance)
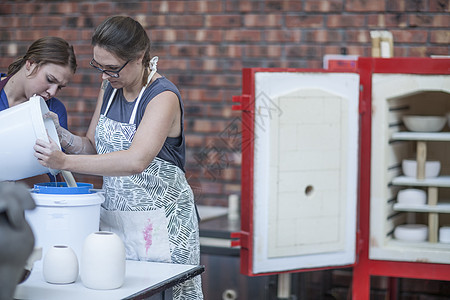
(152, 212)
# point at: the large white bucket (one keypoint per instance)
(64, 215)
(20, 126)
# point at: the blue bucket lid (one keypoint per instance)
(62, 188)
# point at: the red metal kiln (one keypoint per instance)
(321, 169)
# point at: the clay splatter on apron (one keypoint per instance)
(147, 232)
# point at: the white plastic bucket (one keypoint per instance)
(20, 126)
(64, 215)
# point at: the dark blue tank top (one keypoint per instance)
(174, 149)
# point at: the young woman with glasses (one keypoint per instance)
(136, 142)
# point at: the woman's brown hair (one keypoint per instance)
(125, 38)
(46, 50)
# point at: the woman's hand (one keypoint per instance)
(54, 117)
(49, 154)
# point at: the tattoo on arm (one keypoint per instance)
(104, 84)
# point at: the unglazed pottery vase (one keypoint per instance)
(60, 265)
(103, 261)
(16, 236)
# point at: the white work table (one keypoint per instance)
(143, 280)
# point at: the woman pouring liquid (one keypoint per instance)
(47, 67)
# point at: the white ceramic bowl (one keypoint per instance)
(412, 197)
(411, 232)
(424, 123)
(432, 168)
(444, 234)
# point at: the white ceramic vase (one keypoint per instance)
(60, 265)
(103, 261)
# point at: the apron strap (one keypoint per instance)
(110, 101)
(153, 64)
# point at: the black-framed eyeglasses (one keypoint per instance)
(111, 73)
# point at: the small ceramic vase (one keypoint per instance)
(103, 261)
(60, 265)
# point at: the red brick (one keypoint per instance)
(31, 8)
(417, 51)
(230, 51)
(282, 36)
(304, 21)
(29, 35)
(266, 51)
(243, 6)
(86, 34)
(105, 8)
(166, 63)
(361, 50)
(243, 35)
(332, 49)
(406, 5)
(324, 6)
(201, 7)
(437, 50)
(440, 37)
(202, 125)
(233, 188)
(164, 35)
(322, 36)
(10, 21)
(185, 21)
(400, 51)
(266, 20)
(206, 65)
(201, 35)
(194, 140)
(304, 51)
(337, 21)
(215, 95)
(67, 34)
(131, 7)
(387, 20)
(48, 21)
(166, 7)
(223, 21)
(438, 5)
(284, 6)
(61, 8)
(177, 6)
(187, 50)
(224, 80)
(365, 5)
(409, 36)
(83, 49)
(6, 9)
(423, 20)
(151, 21)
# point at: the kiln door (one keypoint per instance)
(305, 170)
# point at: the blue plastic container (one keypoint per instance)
(62, 188)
